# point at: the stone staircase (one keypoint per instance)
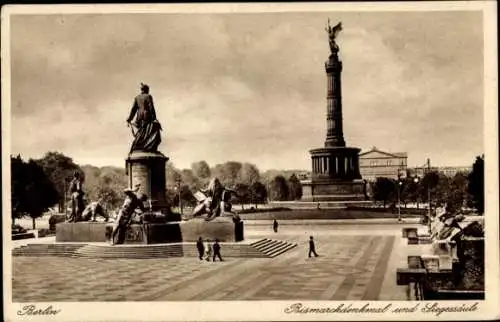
(272, 248)
(59, 250)
(264, 248)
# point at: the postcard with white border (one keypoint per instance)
(250, 162)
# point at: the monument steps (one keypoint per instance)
(61, 250)
(269, 245)
(262, 241)
(265, 248)
(272, 248)
(278, 250)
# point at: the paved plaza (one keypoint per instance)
(356, 262)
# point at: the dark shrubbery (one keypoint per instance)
(44, 232)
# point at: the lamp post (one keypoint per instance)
(400, 183)
(416, 180)
(178, 182)
(429, 191)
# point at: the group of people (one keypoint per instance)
(205, 251)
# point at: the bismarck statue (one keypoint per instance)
(145, 165)
(147, 128)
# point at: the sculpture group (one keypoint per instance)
(213, 202)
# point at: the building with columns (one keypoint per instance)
(377, 163)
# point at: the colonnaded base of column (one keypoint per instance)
(332, 190)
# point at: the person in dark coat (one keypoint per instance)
(275, 226)
(217, 250)
(312, 247)
(200, 247)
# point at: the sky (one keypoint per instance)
(248, 87)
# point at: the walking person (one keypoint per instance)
(217, 250)
(275, 226)
(209, 251)
(201, 248)
(312, 247)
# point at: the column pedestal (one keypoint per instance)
(147, 169)
(335, 176)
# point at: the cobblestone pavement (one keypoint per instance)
(351, 266)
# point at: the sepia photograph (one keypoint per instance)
(250, 161)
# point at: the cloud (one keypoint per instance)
(248, 87)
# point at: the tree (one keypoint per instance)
(18, 185)
(457, 194)
(188, 178)
(257, 193)
(201, 170)
(173, 175)
(33, 192)
(109, 197)
(243, 193)
(429, 183)
(476, 184)
(295, 188)
(409, 191)
(105, 185)
(384, 190)
(59, 169)
(278, 189)
(248, 174)
(227, 173)
(187, 196)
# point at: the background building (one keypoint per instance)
(447, 170)
(376, 163)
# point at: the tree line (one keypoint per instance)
(40, 184)
(463, 189)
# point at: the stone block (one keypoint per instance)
(414, 262)
(81, 232)
(407, 231)
(221, 228)
(412, 240)
(404, 276)
(445, 262)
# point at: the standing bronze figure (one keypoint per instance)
(147, 128)
(77, 193)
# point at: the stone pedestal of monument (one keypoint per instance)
(335, 176)
(147, 169)
(81, 232)
(221, 228)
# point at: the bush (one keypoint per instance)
(55, 219)
(44, 232)
(18, 229)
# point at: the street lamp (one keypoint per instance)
(400, 183)
(416, 180)
(178, 182)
